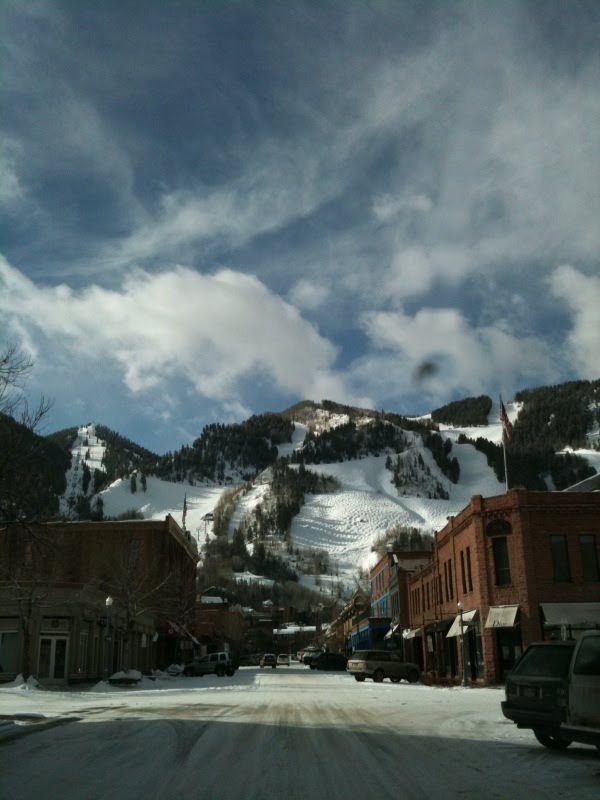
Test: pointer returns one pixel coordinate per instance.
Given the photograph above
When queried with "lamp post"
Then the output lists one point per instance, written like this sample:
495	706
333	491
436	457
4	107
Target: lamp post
465	678
108	603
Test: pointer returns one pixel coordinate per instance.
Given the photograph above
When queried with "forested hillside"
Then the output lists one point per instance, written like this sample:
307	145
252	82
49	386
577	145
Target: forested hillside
34	478
464	413
240	449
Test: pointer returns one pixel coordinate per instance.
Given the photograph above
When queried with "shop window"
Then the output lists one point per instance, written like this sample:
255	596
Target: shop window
589	558
560	558
501	561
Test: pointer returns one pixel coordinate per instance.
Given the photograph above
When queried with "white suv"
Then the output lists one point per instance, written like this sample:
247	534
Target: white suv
214	663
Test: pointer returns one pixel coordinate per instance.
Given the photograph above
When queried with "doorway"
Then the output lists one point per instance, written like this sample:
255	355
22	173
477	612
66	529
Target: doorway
52	663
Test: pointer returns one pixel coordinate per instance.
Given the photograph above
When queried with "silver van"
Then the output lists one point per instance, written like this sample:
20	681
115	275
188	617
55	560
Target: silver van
381	664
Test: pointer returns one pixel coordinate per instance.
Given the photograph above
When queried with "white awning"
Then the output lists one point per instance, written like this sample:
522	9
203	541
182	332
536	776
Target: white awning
502	617
393	629
410	633
577	614
468	617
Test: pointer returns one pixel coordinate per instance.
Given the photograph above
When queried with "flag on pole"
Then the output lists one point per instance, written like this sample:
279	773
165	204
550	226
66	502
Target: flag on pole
184	511
506	423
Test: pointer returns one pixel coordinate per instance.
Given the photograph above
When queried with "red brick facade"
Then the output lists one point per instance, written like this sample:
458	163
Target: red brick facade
524	549
54	582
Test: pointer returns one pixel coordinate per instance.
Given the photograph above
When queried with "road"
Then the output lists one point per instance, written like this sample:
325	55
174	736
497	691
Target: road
287	733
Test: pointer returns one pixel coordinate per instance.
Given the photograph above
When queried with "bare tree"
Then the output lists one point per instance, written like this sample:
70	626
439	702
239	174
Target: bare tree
29	563
22	456
29	549
138	587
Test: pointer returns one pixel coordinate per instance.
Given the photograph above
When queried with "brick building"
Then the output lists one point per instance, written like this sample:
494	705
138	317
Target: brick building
524	565
55	580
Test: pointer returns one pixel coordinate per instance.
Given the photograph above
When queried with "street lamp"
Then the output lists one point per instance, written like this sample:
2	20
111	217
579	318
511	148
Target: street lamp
465	679
108	602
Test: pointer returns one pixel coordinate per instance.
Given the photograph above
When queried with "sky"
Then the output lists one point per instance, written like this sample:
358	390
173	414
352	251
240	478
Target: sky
213	209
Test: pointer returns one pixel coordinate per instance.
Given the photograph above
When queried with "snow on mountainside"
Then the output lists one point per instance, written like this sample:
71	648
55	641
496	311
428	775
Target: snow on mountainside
346	522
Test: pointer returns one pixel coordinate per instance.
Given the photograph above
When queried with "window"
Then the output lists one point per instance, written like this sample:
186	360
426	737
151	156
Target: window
450	579
588	657
501	562
8	651
560	558
462	571
589	558
469	576
446	580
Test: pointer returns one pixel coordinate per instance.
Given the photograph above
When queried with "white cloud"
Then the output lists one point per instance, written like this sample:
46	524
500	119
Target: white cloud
387	207
215	331
308	294
468	359
581	293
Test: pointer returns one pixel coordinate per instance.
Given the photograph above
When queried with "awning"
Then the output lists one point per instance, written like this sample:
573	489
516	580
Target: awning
468	617
410	633
502	617
393	629
579	615
439	626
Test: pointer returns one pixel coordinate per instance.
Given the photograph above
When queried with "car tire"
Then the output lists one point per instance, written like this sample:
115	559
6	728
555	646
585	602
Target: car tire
413	676
273	666
220	671
378	676
229	671
359	678
313	666
551	741
395	680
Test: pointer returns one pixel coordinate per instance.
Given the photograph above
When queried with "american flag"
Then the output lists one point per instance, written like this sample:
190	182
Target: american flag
506	423
184	511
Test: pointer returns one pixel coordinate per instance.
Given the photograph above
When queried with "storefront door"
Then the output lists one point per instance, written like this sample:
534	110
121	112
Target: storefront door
53	658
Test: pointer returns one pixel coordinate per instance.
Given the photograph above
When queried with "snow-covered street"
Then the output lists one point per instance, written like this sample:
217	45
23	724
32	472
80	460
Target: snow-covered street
290	733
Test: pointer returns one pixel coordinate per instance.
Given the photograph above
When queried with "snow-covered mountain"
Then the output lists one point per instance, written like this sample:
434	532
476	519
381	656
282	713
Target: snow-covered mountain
346	522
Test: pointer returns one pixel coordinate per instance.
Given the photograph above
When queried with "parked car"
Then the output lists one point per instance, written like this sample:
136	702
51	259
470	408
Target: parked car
218	664
329	661
381	664
309	655
268	660
554	690
283	660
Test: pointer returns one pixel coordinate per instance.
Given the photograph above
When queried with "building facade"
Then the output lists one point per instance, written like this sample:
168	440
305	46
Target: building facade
81	600
523	565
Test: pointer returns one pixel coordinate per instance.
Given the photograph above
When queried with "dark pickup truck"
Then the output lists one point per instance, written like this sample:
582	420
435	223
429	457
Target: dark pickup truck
554	689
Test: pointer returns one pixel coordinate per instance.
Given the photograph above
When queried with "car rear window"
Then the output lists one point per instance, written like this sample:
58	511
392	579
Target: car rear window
588	658
545	661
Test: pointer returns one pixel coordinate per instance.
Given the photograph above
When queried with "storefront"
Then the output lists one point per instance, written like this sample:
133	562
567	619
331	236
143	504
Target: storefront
508	645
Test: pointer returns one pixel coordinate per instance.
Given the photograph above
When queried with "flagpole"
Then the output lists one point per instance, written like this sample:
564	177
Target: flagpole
505	462
506	431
